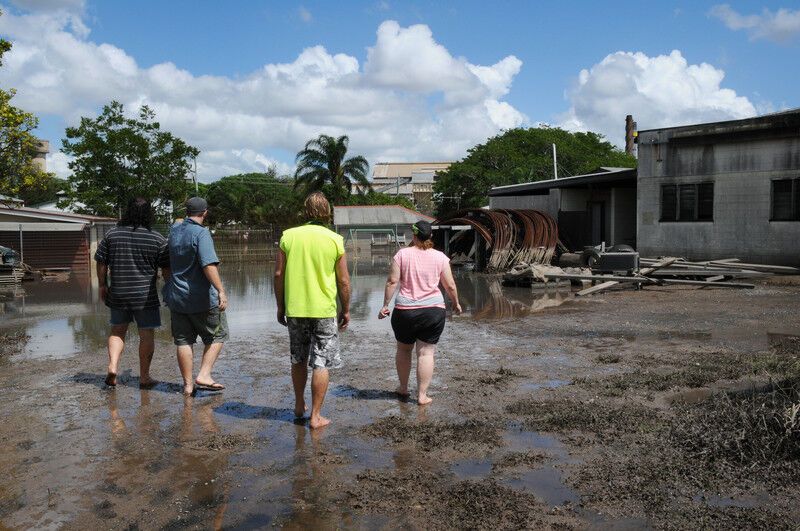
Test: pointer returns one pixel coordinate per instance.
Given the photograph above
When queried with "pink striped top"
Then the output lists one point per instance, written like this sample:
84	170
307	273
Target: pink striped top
420	271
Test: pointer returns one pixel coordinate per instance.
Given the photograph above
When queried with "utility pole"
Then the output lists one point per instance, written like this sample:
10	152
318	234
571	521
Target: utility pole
555	163
196	188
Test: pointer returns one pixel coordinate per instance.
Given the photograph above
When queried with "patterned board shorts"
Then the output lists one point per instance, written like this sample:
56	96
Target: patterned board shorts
314	341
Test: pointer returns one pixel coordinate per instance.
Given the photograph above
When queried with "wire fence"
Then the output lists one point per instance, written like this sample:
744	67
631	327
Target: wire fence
241	244
246	245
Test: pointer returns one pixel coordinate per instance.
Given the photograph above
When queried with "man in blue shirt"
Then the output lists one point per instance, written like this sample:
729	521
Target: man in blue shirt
195	296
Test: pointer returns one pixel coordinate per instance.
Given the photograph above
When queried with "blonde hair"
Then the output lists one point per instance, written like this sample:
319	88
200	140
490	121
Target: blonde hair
424	245
317	207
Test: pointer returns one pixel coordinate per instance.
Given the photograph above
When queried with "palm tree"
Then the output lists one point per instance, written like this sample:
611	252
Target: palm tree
323	161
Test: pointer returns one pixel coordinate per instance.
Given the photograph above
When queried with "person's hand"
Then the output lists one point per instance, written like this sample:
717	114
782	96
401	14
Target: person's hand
103	292
344	320
384	312
282	316
457	308
223	300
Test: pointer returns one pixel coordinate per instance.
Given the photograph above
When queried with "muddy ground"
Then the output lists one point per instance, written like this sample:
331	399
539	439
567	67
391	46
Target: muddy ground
661	408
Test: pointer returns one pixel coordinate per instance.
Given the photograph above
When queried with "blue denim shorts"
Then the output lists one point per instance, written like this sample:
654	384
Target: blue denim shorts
145	318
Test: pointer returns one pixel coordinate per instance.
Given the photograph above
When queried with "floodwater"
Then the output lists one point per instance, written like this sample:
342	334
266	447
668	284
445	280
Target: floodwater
79	455
64	319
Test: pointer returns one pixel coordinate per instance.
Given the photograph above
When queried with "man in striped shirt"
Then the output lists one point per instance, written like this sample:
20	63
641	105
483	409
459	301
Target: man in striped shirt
132	252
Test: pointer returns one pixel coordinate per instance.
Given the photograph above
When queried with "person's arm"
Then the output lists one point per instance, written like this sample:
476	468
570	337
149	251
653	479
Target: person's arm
280	275
102	278
211	271
343	285
391	286
449	284
163	261
209	261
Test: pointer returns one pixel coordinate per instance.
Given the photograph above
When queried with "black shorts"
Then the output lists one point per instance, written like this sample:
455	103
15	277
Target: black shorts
423	324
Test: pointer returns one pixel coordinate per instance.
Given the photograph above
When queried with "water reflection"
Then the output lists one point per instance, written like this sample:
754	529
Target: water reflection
66	318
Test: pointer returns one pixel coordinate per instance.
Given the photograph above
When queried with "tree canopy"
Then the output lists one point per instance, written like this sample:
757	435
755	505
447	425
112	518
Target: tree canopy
253	199
18	170
117	157
518	156
323	161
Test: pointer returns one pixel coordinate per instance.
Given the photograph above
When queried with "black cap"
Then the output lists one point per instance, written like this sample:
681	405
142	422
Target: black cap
422	229
196	205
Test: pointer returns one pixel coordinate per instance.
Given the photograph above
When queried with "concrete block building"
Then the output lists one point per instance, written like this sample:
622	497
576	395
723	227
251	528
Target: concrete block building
705	191
721	190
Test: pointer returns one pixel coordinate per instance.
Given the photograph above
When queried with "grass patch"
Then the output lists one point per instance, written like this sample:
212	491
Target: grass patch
731	444
608	358
601	418
13	342
699	371
527	459
434	435
760	430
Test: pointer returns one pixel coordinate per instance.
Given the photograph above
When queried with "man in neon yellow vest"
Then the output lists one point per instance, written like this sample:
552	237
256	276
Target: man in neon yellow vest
310	272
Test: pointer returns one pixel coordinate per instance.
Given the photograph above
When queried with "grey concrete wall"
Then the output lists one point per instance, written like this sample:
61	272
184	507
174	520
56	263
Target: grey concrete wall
742	171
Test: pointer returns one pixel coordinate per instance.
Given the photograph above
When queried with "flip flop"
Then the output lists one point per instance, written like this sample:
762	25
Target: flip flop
110	377
216	386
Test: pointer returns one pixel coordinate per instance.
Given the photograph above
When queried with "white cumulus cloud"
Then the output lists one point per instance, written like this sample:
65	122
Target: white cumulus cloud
410	100
779	26
658	91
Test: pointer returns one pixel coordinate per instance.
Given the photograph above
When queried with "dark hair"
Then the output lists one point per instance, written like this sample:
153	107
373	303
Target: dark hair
138	213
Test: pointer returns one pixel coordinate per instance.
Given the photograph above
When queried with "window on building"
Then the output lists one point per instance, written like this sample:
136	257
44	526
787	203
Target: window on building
687	202
669	202
786	200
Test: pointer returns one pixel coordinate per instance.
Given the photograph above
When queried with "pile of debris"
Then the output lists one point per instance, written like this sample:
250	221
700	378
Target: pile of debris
650	272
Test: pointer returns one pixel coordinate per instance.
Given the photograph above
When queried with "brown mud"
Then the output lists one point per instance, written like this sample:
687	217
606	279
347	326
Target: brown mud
571	417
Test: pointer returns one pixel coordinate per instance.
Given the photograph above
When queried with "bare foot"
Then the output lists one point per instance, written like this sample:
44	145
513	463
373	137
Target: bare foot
424	399
210	385
402	391
318	422
145	382
299	411
189	390
111	379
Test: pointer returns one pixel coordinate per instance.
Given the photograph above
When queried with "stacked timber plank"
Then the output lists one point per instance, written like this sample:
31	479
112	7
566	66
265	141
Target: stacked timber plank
658	272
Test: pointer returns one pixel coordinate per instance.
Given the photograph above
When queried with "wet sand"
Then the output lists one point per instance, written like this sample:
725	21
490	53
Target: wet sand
526	418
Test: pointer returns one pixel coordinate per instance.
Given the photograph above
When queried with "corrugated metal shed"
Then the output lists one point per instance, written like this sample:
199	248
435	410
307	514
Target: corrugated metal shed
47	239
378	216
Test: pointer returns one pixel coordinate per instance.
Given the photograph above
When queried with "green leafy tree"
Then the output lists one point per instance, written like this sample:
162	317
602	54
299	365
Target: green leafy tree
18	170
117	157
323	161
377	198
254	199
50	189
518	156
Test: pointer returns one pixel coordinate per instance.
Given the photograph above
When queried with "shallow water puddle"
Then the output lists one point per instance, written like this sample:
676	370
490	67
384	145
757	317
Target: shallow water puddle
544	480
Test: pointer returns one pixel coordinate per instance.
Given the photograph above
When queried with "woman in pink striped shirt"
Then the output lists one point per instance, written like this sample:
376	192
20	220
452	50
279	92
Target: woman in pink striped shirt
419	310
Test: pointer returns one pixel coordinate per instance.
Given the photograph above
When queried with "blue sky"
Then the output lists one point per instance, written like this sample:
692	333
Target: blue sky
248	82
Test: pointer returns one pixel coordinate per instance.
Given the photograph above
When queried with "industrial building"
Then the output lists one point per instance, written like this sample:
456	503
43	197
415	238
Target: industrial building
706	191
412	180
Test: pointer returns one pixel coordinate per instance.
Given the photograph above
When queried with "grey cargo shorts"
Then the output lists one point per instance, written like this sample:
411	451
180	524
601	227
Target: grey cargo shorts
314	341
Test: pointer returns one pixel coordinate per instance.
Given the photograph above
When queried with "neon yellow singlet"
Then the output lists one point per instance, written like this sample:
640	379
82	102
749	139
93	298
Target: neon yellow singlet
310	280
